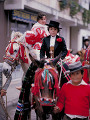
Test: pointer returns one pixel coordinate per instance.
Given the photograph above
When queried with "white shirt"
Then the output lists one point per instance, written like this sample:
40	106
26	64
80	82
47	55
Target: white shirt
81	83
77	116
52	41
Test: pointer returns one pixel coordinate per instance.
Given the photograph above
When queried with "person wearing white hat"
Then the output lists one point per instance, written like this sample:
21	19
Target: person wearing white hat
74	95
86	42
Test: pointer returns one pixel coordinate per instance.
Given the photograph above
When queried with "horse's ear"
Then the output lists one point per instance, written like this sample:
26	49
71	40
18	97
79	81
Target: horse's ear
12	34
36	62
56	59
42	63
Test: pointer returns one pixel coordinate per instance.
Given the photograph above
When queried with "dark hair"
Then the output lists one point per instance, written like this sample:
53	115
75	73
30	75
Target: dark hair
56	28
40	16
82	71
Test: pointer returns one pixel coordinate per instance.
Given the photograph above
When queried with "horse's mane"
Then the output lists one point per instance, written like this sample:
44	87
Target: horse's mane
16	34
38	83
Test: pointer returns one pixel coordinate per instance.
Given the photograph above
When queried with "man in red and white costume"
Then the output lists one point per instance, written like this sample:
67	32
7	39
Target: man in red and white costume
74	95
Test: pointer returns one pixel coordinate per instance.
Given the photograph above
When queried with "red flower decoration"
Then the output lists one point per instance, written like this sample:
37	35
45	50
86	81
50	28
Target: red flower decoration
59	39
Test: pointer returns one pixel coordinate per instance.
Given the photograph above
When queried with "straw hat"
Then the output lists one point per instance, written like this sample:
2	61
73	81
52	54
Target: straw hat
76	66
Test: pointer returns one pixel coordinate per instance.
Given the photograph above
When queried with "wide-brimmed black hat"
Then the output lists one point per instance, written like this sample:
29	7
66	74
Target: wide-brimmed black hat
76	66
53	24
86	39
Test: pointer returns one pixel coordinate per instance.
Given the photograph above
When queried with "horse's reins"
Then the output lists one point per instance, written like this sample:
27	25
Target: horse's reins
60	73
4	108
8	76
1	100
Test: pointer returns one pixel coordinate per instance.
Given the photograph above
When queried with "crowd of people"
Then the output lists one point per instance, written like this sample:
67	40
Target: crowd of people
74	95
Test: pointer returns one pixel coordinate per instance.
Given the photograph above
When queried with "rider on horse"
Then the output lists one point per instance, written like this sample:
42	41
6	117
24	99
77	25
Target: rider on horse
58	45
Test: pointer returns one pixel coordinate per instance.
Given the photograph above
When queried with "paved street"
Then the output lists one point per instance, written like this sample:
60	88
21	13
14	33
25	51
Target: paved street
12	109
13	95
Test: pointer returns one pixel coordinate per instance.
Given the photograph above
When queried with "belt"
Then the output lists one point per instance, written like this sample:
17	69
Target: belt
68	118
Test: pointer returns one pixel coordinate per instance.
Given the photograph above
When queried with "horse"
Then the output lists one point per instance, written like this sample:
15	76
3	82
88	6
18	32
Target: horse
81	53
46	88
17	53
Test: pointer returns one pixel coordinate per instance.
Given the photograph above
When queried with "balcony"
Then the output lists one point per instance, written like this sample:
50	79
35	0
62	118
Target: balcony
13	4
66	10
75	10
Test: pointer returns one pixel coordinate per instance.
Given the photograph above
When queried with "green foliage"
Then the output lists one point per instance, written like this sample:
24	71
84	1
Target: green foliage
75	8
63	4
86	16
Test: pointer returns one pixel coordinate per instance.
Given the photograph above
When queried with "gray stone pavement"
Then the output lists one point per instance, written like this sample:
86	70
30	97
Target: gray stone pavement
12	99
11	111
13	95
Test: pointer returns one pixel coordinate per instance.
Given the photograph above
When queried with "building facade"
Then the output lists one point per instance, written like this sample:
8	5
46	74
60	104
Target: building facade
20	15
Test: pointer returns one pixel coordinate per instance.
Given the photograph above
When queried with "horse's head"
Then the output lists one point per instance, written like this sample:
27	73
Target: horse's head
15	51
81	53
46	85
11	57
